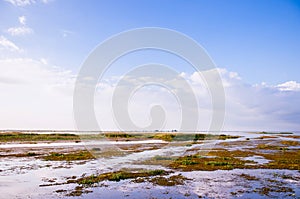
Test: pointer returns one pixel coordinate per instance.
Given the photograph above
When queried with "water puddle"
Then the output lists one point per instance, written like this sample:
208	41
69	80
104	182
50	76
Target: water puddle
257	159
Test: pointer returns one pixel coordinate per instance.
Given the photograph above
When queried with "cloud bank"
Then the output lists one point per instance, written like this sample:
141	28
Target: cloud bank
36	95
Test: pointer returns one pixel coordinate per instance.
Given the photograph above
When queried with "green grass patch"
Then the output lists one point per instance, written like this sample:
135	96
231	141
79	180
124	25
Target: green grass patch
215	160
190	137
168	181
223	159
282	133
215	163
78	155
283	160
166	137
19	137
118	135
117	176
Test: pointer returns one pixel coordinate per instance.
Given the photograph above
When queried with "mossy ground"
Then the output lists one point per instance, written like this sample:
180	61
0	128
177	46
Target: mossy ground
78	155
214	160
156	177
278	153
169	181
117	176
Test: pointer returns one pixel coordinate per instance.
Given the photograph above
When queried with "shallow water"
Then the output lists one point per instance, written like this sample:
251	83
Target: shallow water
89	143
22	177
257	159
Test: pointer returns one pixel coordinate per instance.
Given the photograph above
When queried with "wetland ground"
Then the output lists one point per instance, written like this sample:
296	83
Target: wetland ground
149	165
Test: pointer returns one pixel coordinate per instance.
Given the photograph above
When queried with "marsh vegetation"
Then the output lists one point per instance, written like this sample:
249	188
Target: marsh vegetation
169	161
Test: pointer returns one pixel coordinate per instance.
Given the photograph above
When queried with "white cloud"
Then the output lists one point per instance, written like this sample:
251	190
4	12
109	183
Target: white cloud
8	45
44	61
16	31
22	20
23	3
289	86
20	30
248	107
260	107
36	95
46	1
66	33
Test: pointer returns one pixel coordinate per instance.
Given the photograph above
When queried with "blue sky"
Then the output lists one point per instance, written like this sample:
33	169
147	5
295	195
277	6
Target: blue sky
255	42
257	39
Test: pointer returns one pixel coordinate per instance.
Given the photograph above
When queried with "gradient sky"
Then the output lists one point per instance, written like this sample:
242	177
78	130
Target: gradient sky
256	41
